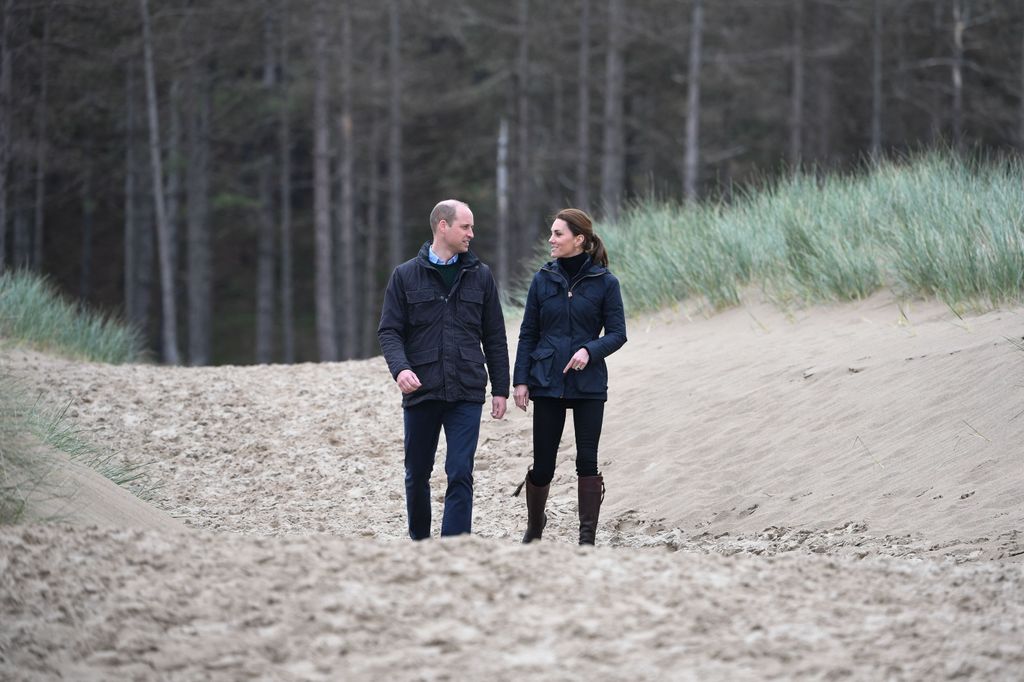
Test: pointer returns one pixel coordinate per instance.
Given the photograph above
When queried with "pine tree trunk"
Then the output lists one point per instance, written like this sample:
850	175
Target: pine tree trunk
524	206
346	213
265	242
1020	111
960	9
796	106
501	192
173	156
692	153
285	199
325	334
396	241
583	122
88	223
372	232
131	226
876	80
5	121
613	157
822	25
169	327
199	276
41	142
138	215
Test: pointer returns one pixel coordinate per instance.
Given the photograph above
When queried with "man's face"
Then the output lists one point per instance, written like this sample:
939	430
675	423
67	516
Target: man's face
459	234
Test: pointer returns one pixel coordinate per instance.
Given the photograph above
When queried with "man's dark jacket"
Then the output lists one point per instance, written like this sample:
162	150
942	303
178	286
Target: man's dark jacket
437	333
562	316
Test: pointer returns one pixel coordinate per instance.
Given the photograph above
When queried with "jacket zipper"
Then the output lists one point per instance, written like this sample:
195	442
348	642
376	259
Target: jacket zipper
569	288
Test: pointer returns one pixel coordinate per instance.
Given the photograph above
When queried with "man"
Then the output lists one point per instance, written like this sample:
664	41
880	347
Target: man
439	308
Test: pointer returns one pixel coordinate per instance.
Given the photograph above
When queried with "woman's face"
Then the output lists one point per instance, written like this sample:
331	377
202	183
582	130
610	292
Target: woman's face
564	244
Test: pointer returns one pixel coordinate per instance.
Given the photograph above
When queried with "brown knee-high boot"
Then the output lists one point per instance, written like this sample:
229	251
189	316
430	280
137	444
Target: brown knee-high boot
591	494
536	498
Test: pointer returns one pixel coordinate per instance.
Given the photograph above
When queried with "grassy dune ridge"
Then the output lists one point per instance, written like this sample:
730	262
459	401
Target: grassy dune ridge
34	315
931	226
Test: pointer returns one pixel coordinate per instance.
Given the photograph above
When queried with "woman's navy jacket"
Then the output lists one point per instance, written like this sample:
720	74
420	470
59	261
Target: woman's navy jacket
437	333
560	318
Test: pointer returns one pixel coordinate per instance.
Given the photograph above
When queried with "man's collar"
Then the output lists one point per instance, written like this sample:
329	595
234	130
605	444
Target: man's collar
436	260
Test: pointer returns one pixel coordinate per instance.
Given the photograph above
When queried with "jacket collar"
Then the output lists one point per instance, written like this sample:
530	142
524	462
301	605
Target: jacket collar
466	260
588	268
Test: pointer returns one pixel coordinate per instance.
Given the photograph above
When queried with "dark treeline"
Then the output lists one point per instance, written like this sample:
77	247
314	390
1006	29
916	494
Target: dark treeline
239	178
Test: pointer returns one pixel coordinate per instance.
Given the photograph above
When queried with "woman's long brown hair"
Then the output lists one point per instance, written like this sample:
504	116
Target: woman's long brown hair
581	224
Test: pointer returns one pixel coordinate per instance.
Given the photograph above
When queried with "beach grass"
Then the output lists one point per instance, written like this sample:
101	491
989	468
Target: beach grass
931	226
26	423
34	314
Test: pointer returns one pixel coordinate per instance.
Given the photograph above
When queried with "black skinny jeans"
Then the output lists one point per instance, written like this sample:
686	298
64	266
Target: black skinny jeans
548	423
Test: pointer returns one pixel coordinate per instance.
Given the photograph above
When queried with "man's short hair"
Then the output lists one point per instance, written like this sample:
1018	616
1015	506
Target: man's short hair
445	210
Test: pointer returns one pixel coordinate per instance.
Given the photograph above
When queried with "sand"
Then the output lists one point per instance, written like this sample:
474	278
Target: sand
826	493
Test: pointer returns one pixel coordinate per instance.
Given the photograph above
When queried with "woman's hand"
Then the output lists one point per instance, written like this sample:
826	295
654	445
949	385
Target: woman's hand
578	361
522	396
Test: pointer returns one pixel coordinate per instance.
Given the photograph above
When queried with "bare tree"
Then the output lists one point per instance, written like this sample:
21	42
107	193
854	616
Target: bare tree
174	167
346	211
199	275
583	120
524	210
1020	111
876	79
326	342
501	192
961	9
396	232
169	325
265	252
285	200
371	224
88	223
130	221
796	110
613	151
41	142
692	152
5	121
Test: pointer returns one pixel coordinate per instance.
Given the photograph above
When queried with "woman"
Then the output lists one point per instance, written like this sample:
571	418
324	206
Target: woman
560	363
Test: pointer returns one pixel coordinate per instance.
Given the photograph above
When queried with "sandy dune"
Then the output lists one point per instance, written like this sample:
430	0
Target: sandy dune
837	492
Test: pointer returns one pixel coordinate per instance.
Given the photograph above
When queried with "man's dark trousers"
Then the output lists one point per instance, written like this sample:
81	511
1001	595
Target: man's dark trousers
423	423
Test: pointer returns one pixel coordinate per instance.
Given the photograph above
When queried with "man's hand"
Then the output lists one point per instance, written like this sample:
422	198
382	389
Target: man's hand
578	361
521	394
499	404
408	381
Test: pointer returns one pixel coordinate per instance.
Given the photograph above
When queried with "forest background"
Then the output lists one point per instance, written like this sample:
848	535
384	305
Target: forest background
238	179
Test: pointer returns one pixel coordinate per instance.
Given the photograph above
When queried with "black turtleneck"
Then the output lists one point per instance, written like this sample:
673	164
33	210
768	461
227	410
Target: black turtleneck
572	265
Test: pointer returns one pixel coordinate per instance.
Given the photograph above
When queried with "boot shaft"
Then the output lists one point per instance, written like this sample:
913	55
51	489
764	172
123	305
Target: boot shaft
591	494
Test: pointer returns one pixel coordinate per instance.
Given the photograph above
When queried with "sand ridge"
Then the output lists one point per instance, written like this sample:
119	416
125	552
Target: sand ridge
829	492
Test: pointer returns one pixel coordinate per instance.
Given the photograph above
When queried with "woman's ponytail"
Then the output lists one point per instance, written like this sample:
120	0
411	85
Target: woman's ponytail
581	223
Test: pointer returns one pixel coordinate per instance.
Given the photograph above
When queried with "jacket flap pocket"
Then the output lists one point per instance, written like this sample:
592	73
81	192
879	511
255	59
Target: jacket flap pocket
422	357
472	353
541	353
472	295
420	295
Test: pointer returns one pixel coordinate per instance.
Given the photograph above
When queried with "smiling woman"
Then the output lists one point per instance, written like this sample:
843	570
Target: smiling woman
560	363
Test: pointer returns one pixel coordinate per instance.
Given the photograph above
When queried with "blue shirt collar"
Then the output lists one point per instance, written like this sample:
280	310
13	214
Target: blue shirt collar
436	260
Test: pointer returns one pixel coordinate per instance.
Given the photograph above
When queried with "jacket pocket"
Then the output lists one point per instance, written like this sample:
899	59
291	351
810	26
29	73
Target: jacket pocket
593	379
472	373
424	306
471	308
540	366
426	365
